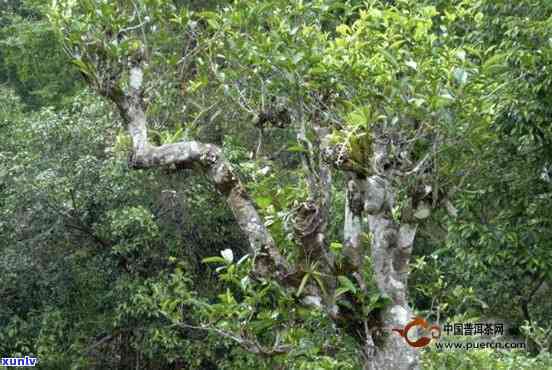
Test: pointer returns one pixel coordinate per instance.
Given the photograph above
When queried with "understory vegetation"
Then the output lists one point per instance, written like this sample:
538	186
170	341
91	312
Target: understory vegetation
275	184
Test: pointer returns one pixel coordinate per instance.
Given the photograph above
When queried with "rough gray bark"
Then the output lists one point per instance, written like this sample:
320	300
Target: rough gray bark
373	198
207	158
353	227
391	249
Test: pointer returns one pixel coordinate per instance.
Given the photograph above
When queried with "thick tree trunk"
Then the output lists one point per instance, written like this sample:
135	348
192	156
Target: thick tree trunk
391	246
392	243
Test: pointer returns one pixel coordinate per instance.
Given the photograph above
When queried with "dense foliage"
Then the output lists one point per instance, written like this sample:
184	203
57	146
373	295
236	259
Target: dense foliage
106	266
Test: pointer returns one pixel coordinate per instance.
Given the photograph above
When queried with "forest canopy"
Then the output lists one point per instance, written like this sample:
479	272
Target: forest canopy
276	184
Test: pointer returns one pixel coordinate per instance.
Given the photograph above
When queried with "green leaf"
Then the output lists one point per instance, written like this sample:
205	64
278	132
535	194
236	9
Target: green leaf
263	202
213	23
215	259
336	247
390	58
297	148
302	285
319	282
346	283
497	60
297	58
340	291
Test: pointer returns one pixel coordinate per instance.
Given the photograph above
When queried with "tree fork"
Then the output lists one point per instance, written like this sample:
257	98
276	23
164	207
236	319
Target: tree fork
208	158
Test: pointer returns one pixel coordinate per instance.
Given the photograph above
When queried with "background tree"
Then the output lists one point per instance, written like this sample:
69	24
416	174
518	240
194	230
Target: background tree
338	134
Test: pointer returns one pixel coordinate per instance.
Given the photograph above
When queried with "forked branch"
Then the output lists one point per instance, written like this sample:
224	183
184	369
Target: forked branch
206	157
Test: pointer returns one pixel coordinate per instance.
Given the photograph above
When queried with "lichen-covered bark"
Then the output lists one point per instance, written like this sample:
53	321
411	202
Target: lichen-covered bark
207	158
391	248
389	260
353	225
369	203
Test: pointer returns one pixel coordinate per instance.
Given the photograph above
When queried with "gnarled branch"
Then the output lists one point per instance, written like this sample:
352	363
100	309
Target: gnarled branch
206	157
